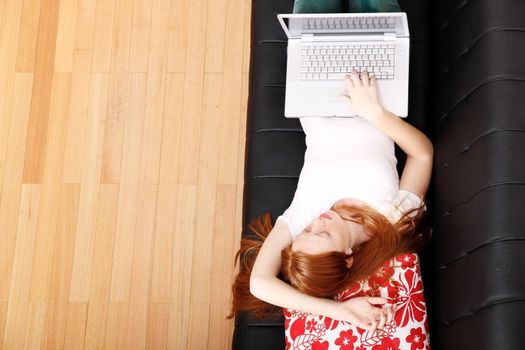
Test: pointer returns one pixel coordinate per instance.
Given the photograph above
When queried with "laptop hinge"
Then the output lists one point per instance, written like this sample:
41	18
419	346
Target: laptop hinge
307	37
390	36
311	37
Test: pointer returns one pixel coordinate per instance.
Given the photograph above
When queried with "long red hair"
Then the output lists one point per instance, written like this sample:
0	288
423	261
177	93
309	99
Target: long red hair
324	275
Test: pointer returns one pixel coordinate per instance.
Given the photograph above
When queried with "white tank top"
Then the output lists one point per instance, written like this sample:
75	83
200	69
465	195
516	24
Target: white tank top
346	158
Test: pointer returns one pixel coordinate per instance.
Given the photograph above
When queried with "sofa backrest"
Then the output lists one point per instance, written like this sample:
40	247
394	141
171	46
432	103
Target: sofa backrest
479	176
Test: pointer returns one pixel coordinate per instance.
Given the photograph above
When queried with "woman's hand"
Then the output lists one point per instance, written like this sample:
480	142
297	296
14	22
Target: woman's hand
362	94
365	313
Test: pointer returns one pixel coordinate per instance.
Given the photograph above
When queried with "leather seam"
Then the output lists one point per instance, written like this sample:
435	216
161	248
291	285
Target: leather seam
474	43
254	177
277	130
445	115
452	15
472	251
446	163
472	313
477	192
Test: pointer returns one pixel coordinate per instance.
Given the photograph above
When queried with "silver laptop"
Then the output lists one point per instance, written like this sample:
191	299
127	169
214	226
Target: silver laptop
322	48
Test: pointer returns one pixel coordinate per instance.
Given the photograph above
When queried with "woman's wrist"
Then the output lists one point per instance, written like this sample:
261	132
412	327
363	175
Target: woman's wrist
333	309
378	114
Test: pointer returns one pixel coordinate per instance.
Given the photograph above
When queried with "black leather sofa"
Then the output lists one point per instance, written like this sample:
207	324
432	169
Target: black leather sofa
467	89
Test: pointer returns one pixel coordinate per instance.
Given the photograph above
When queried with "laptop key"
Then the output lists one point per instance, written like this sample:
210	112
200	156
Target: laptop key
336	76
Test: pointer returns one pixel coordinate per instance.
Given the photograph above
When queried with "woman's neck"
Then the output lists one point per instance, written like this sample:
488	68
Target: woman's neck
357	234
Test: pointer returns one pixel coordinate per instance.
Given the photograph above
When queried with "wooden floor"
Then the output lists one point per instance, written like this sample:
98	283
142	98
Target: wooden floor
122	129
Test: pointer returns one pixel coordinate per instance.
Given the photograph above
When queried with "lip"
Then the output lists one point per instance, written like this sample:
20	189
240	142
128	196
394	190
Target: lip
326	216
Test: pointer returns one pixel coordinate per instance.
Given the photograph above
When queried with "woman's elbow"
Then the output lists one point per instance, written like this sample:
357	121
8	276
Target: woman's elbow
426	152
260	287
429	152
430	149
255	286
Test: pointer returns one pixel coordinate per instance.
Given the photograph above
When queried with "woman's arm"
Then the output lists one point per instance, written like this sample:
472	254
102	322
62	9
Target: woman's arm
362	95
418	148
265	285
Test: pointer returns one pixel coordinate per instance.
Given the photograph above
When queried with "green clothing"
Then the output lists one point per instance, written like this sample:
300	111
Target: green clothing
338	6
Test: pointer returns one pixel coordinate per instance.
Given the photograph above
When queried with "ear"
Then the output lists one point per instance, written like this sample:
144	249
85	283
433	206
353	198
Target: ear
350	259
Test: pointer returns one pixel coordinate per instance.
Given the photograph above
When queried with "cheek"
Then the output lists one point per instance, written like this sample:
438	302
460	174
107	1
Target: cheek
336	235
300	242
342	231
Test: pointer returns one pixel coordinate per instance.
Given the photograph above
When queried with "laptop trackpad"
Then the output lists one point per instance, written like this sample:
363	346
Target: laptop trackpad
333	95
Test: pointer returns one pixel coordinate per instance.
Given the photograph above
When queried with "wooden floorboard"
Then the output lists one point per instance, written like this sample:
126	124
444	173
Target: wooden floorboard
122	130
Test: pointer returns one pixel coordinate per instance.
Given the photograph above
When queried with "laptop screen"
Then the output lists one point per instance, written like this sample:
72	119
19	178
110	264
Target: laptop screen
298	24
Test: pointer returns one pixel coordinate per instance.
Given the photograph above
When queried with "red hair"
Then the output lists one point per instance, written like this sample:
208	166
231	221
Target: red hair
324	275
243	299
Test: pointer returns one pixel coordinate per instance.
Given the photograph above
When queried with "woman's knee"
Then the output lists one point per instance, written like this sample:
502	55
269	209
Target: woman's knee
373	6
317	6
341	6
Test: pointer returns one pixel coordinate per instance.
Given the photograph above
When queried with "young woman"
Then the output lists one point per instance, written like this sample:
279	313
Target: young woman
349	215
348	196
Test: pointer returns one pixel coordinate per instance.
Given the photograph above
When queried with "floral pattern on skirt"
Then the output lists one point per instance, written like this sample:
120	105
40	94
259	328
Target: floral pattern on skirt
398	280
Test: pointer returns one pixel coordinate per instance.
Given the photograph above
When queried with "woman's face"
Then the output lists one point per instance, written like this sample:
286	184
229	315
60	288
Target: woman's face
329	232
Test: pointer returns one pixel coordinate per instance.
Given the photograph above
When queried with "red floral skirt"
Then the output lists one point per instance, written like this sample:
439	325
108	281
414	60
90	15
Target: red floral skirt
398	280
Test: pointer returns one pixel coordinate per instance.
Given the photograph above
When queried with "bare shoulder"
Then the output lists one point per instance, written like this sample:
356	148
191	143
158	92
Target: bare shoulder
268	260
280	236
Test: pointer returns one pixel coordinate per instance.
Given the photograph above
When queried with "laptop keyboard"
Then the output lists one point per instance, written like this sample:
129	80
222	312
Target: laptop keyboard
349	23
332	62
